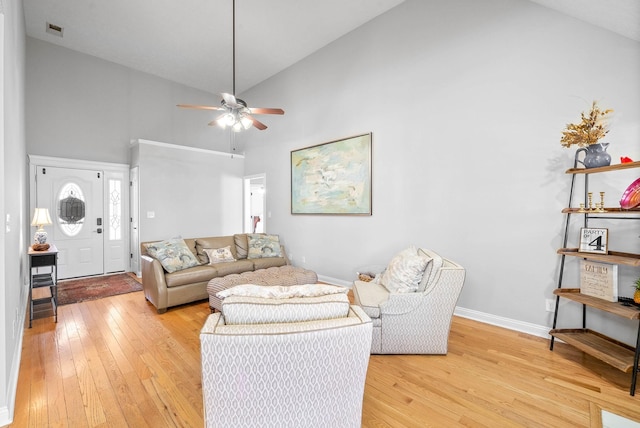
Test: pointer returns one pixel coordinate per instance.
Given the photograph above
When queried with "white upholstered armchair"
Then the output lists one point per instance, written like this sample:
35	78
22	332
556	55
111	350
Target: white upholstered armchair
407	321
285	374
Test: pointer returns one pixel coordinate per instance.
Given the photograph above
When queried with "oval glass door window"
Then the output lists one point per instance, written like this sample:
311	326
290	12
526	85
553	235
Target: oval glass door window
71	209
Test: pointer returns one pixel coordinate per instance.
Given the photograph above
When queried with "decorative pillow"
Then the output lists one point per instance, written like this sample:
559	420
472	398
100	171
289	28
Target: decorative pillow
431	270
263	246
219	255
173	254
405	271
281	291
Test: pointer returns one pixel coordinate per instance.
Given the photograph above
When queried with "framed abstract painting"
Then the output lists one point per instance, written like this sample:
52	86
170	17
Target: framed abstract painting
333	177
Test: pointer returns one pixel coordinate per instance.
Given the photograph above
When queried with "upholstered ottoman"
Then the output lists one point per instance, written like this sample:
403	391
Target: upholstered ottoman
282	275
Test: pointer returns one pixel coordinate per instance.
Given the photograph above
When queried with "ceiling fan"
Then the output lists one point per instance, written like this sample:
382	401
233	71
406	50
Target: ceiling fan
236	114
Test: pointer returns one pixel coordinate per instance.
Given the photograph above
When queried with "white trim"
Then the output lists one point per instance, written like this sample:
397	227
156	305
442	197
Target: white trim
335	281
37	160
6	414
508	323
140	141
109	170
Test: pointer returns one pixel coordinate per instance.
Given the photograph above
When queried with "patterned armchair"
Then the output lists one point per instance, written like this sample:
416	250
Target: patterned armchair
285	374
413	321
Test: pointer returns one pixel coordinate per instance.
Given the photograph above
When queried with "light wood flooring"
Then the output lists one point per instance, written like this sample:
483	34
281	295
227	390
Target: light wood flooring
115	362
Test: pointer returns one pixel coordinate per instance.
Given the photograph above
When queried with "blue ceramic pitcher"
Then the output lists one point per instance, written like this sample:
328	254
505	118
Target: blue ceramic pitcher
595	155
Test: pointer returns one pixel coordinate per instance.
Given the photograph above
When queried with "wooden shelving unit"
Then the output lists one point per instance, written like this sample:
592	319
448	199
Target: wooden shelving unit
615	257
617	167
611	351
607	211
616	308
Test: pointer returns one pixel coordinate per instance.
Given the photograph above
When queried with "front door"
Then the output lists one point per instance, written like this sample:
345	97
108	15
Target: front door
74	198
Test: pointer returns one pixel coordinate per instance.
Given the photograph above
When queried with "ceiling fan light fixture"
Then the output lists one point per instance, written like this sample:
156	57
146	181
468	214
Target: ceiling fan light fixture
229	119
246	122
235	112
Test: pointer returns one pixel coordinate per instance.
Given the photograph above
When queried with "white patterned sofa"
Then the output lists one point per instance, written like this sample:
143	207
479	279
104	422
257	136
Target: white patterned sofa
411	304
302	363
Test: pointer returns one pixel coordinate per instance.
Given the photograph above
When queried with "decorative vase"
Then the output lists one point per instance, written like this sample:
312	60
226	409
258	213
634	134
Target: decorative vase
595	155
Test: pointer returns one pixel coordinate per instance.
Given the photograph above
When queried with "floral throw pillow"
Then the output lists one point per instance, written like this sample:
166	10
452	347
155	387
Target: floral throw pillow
405	271
219	255
173	254
261	246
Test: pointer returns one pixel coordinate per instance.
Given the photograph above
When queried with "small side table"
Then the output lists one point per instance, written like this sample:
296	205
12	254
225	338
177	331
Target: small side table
43	287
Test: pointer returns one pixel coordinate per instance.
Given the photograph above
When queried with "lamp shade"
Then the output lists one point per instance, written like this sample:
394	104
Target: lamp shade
41	217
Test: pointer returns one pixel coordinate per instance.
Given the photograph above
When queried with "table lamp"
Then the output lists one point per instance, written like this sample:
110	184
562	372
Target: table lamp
41	218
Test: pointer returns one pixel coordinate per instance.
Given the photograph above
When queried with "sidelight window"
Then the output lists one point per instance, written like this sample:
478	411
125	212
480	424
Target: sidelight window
115	210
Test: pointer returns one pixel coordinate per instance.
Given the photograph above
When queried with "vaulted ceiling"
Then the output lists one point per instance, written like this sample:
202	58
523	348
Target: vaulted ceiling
190	41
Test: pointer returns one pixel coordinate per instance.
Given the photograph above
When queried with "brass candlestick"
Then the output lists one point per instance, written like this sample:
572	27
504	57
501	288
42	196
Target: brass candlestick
602	210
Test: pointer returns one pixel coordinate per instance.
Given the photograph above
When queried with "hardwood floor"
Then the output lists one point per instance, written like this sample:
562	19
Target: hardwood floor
115	362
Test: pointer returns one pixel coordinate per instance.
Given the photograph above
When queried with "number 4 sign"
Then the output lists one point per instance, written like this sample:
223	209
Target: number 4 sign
593	240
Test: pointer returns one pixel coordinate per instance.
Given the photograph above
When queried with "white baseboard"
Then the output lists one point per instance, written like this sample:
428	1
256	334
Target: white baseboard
6	412
334	281
508	323
4	416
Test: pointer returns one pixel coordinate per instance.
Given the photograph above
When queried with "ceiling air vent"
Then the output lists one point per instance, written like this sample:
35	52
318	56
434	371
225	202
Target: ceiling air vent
54	29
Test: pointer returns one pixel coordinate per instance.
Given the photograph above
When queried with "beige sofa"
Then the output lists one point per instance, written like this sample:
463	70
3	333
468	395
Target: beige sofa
164	289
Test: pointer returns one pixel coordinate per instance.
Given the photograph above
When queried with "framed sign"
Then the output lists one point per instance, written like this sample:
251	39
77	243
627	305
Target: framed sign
593	240
332	178
599	280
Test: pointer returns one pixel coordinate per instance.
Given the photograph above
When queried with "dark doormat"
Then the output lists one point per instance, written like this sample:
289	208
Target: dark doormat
80	290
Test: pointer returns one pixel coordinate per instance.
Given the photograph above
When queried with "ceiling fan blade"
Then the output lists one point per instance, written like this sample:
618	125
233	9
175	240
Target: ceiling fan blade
258	110
230	100
261	126
200	107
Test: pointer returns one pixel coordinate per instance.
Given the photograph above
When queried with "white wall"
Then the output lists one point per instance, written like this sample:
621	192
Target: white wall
466	101
82	107
191	192
13	201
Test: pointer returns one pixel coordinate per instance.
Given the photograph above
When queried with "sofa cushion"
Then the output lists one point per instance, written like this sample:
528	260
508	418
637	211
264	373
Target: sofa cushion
259	310
255	304
219	255
242	245
268	262
173	254
214	242
238	266
203	273
282	291
369	296
405	271
261	246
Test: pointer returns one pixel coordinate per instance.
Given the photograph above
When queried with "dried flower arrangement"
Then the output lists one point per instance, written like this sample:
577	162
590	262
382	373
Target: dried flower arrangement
589	131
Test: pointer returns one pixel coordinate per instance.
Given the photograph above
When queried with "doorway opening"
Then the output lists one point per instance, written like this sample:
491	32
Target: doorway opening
255	203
